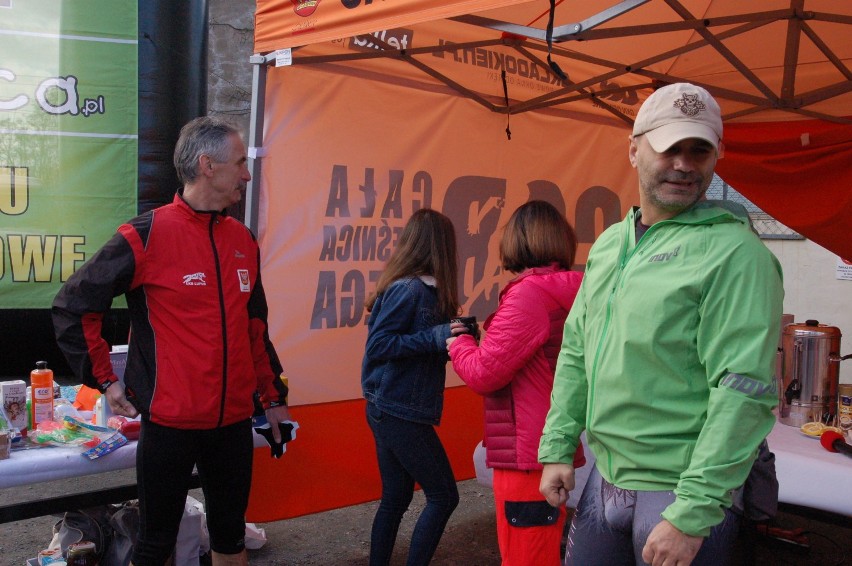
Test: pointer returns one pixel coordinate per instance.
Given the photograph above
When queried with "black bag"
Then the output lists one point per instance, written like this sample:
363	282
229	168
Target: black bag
112	528
124	523
90	525
758	497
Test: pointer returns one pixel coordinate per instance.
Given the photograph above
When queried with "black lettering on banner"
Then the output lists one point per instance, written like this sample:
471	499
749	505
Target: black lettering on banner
533	74
541	189
481	58
325	301
421	184
353	292
347	311
369	190
344	247
629	97
356	243
385	244
366	236
497	62
511	64
329	242
484	196
393	203
592	201
338	205
475	204
338	193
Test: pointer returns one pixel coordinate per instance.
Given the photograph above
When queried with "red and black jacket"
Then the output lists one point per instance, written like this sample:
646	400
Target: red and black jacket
199	348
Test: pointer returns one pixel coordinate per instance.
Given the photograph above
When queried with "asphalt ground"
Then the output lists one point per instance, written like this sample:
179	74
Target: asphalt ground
341	537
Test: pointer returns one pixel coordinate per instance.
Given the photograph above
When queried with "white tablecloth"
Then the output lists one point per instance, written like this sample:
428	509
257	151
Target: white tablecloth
39	464
808	474
34	465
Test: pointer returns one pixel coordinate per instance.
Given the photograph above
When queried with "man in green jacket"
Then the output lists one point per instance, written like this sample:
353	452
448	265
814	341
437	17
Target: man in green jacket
667	358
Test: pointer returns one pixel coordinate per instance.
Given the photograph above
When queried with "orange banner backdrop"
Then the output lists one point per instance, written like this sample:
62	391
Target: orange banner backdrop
338	184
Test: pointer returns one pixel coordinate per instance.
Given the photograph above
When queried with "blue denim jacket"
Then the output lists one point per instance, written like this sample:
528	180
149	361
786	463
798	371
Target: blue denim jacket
405	361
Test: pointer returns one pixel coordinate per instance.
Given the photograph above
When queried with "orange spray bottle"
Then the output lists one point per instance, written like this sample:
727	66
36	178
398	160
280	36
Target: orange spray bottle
41	390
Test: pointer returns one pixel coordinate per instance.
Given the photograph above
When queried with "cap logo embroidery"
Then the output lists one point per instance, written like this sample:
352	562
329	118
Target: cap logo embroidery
689	104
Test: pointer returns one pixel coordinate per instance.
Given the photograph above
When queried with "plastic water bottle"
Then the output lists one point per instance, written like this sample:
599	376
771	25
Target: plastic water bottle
41	388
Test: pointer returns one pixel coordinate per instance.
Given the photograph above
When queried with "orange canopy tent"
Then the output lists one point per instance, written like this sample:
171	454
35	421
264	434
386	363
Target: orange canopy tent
365	110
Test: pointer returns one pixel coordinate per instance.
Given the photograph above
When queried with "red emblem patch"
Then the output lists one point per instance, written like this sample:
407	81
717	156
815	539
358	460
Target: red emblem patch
305	8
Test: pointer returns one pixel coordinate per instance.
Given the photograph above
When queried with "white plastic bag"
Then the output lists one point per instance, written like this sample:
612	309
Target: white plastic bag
193	539
255	536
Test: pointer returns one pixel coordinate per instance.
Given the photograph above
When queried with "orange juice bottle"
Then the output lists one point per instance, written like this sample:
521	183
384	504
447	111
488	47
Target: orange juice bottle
41	388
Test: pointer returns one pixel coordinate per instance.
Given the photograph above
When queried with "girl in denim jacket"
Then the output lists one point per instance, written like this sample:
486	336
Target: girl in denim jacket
402	378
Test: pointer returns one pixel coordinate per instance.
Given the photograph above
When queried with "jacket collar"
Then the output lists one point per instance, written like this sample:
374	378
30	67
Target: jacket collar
544	270
202	215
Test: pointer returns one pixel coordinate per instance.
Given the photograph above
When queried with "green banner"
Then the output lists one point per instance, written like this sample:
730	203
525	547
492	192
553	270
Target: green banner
68	138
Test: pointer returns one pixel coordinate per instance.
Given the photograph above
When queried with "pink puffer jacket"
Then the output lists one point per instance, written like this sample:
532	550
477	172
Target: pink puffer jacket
513	366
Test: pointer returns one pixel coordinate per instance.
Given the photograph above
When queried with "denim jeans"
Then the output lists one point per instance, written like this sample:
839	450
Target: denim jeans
410	452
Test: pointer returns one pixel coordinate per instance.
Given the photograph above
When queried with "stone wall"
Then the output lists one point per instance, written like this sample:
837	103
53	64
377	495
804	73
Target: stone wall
231	43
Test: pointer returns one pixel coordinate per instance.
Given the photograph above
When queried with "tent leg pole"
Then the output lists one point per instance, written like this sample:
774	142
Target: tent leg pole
255	141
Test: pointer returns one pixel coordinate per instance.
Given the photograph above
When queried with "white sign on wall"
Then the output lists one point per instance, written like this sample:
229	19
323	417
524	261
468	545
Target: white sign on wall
844	269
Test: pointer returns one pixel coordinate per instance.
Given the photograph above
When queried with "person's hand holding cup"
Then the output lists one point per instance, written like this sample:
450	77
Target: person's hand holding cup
465	325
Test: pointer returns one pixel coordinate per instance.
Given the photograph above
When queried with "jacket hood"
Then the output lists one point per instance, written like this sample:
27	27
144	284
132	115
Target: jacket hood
715	212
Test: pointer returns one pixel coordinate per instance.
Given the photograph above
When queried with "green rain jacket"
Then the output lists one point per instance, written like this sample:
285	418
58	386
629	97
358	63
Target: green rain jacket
667	360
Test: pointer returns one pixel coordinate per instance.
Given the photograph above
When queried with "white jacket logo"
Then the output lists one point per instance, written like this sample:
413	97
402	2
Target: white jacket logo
195	279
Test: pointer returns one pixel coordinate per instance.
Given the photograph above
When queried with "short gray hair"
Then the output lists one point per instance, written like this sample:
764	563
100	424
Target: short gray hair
205	135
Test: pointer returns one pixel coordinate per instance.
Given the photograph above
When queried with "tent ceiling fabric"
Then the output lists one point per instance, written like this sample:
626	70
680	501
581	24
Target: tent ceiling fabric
765	61
780	70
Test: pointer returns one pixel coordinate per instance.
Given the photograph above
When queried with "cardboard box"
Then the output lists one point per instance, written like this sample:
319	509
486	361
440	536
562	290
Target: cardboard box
118	358
5	444
13	399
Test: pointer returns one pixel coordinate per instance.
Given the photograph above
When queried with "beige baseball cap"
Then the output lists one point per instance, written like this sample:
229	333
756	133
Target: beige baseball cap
677	112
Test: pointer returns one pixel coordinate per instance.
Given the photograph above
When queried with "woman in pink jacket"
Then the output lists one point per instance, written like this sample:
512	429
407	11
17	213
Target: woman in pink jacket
513	370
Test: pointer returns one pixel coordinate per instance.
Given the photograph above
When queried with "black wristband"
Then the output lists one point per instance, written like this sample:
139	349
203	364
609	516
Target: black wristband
105	385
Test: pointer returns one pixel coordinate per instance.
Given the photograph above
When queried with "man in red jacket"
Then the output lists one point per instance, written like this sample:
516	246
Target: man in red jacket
199	354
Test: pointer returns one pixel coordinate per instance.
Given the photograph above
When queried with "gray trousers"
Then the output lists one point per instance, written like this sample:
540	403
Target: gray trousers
611	526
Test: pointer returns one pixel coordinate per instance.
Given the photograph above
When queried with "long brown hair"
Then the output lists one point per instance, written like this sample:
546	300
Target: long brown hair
427	246
537	235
